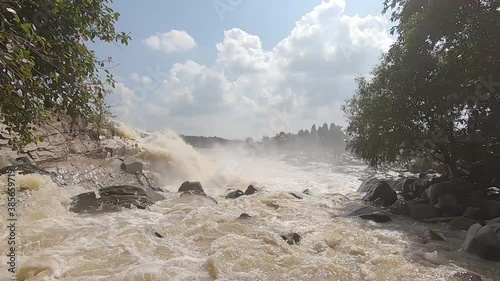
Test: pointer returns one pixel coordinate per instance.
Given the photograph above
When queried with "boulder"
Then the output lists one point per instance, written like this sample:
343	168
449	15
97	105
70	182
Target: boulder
492	208
235	194
456	187
371	213
449	205
251	190
475	213
398	187
484	241
432	235
392	183
419	211
132	166
115	148
367	185
461	223
400	207
291	238
382	190
114	198
193	187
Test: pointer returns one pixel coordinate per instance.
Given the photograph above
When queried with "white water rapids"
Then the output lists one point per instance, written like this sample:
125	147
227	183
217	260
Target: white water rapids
206	241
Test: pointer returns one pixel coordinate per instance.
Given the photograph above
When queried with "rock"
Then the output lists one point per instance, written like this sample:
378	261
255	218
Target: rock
158	235
382	190
291	238
449	205
423	211
492	208
244	216
22	160
115	149
392	183
367	185
461	223
295	195
400	207
371	213
132	166
474	213
456	187
484	241
432	235
251	190
378	202
193	187
306	192
235	194
24	169
114	198
399	186
465	276
149	182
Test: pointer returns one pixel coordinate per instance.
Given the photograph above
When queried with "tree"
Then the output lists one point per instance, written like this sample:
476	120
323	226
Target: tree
45	65
313	130
428	95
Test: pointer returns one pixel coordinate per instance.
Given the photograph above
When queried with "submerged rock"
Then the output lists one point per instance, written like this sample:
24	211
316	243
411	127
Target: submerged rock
244	216
295	195
251	190
292	238
465	276
114	198
371	213
235	194
193	187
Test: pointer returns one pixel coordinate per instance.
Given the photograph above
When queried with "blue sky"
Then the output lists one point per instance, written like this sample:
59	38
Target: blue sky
213	52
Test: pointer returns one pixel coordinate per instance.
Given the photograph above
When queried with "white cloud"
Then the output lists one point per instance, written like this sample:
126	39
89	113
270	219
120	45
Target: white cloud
171	42
307	76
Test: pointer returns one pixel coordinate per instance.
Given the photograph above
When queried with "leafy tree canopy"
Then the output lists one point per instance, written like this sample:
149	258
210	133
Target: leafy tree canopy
45	65
435	93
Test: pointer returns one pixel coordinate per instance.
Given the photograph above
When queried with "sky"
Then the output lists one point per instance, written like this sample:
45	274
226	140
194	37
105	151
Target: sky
241	68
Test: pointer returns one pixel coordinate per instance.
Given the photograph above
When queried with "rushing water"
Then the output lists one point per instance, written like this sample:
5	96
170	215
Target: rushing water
207	241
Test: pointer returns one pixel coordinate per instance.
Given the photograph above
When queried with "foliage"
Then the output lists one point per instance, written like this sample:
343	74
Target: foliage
45	65
435	93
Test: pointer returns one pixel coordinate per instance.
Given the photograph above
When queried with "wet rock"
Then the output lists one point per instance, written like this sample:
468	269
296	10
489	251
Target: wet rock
457	188
306	192
295	195
193	187
400	207
251	190
114	198
492	208
24	169
392	183
474	213
244	216
235	194
382	190
158	235
461	223
378	202
423	211
371	213
484	241
291	238
367	185
132	166
449	205
398	187
465	276
149	181
432	235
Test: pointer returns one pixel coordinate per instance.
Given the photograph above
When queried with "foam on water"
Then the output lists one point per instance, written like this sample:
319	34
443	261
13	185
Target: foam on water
206	241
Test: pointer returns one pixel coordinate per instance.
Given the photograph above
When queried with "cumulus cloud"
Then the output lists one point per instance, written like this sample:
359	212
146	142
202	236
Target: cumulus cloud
306	77
171	42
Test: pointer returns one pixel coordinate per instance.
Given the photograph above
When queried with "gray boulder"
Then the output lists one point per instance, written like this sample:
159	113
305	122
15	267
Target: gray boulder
461	223
114	198
235	194
251	190
193	187
492	208
371	213
484	241
367	185
400	207
382	190
132	166
419	211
